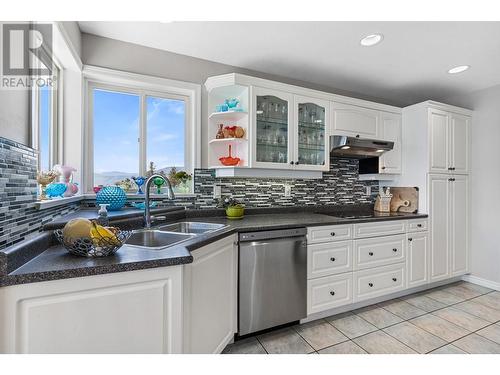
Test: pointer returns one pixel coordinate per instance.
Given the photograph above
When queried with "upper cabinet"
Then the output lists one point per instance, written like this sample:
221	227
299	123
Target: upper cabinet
283	131
390	126
272	133
312	117
355	121
448	142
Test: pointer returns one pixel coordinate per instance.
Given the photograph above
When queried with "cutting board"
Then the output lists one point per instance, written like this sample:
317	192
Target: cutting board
404	199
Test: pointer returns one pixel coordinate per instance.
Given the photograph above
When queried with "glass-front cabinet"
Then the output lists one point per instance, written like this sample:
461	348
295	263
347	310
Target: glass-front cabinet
311	137
273	133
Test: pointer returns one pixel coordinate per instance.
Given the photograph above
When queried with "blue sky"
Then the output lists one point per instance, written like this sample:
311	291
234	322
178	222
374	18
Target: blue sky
45	94
116	130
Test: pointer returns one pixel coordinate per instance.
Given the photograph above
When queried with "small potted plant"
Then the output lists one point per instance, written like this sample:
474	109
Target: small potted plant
234	209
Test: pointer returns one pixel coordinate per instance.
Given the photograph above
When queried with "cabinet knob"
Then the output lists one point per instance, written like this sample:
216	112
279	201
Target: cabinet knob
296	163
410	239
370	285
452	168
357	135
395	250
419	225
332	259
451	179
291	162
370	253
383	167
332	293
394	279
332	234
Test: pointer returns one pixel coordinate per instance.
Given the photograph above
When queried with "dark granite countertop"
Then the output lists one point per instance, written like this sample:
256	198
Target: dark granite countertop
54	262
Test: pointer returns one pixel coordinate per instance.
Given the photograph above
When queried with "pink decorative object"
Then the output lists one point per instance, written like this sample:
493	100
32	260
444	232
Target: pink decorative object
229	160
97	189
66	176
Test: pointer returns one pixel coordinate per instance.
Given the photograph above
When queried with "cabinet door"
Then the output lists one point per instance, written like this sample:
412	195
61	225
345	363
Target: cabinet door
417	264
458	218
272	136
354	121
210	295
439	141
459	143
390	162
311	137
439	203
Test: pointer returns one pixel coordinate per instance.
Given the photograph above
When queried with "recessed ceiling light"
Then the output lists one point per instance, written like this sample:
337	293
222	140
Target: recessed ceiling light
345	147
371	40
380	150
458	69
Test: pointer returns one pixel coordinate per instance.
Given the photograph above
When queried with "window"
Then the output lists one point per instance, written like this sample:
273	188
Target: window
44	123
136	123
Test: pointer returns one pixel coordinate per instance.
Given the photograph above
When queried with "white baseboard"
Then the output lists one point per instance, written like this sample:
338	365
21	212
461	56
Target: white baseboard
480	281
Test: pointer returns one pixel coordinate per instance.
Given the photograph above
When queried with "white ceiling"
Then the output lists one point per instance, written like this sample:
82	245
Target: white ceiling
409	66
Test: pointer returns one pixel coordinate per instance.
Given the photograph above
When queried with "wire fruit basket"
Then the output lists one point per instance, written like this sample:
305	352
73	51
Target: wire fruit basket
95	247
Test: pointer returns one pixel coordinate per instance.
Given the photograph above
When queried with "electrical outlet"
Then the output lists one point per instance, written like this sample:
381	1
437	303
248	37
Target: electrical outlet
288	191
217	191
368	190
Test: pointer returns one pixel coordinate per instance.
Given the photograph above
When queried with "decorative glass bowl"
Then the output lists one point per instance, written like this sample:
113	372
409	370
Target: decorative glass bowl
55	189
113	195
93	248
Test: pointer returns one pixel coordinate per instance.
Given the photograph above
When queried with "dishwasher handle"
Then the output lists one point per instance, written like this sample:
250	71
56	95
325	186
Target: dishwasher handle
272	234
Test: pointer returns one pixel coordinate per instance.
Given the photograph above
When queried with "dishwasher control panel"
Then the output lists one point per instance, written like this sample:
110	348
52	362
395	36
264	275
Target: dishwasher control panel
271	234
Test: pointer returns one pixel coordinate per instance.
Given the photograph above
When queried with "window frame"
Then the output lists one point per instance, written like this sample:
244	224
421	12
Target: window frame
56	115
143	86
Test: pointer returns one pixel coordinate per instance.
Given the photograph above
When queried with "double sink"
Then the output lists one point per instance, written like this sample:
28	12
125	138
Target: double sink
161	237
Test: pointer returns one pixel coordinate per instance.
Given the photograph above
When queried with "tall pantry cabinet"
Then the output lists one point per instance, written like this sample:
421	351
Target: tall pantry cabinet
436	140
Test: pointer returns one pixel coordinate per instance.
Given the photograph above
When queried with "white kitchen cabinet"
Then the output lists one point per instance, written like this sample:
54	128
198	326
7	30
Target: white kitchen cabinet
378	281
458	224
210	297
439	141
391	161
439	210
328	233
377	229
311	127
328	292
127	312
355	121
379	251
329	258
459	143
417	261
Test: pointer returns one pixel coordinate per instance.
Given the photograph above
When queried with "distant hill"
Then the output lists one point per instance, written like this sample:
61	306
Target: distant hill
110	178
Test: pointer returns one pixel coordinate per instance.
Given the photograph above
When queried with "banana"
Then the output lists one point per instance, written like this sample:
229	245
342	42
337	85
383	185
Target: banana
98	231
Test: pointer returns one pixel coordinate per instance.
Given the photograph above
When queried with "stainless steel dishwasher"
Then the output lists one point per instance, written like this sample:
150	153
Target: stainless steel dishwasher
272	279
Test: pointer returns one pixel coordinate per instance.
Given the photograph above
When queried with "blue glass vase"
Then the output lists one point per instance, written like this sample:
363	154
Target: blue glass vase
139	181
113	195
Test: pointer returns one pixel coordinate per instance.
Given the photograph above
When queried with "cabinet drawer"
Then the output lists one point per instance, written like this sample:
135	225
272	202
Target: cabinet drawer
417	225
325	259
379	251
328	292
379	229
378	281
329	233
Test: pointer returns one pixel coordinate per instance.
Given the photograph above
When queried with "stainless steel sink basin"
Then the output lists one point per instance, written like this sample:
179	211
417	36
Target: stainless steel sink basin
191	227
153	239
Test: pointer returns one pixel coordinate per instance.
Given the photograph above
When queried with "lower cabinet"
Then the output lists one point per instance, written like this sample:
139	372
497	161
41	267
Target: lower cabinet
127	312
210	297
378	281
417	262
329	292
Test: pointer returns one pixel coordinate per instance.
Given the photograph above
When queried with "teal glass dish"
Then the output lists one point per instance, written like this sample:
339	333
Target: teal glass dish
55	189
113	195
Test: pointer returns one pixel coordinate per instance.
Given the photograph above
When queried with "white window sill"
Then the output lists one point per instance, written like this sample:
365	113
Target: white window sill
43	205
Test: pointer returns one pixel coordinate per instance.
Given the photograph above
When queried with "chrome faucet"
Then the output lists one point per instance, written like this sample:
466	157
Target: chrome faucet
170	195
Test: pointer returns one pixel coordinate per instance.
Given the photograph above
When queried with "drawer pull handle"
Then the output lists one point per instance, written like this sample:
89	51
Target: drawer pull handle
332	259
394	279
419	225
370	253
332	234
370	285
410	239
395	250
332	293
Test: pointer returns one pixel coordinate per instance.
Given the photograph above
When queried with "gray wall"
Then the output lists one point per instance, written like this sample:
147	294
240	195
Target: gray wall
74	34
484	181
114	54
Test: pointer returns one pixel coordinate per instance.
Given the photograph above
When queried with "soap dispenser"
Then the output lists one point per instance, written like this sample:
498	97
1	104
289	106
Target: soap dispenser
102	218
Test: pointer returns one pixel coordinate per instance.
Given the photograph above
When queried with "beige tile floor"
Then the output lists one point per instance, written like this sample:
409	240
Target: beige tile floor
459	318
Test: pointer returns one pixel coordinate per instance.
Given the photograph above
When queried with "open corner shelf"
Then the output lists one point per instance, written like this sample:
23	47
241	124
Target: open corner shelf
228	116
226	140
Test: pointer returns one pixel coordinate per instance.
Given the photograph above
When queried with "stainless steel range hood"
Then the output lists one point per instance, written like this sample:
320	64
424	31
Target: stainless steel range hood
358	148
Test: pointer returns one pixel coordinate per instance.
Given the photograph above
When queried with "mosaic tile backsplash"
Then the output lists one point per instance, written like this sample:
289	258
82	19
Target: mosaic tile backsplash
19	218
